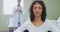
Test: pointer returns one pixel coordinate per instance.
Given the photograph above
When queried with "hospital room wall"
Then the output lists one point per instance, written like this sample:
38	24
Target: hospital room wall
3	18
53	11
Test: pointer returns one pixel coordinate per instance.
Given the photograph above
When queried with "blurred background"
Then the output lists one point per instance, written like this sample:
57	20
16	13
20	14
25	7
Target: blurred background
53	11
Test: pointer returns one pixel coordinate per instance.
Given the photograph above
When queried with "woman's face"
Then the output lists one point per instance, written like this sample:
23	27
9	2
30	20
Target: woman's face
19	1
37	9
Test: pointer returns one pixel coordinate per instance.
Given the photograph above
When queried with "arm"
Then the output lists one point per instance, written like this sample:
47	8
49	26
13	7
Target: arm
19	10
22	10
53	28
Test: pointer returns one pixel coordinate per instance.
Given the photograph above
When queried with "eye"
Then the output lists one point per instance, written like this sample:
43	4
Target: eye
35	7
39	7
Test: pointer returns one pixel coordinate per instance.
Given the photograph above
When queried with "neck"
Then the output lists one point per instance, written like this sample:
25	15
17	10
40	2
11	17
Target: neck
37	19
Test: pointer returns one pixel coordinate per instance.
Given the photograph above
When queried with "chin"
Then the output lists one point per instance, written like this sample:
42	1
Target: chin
37	15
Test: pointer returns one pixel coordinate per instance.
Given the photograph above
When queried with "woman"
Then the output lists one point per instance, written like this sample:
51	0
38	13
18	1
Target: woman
37	22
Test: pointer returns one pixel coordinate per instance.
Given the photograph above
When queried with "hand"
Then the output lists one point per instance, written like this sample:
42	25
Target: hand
20	11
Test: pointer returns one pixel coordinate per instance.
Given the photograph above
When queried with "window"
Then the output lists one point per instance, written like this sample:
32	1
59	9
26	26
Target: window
8	6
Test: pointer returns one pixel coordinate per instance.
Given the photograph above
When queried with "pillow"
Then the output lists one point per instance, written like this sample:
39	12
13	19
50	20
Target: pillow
58	20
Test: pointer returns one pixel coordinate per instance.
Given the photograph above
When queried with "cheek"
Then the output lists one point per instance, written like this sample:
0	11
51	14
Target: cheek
40	11
34	11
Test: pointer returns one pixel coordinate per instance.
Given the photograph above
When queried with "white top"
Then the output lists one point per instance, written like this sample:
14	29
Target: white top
47	26
15	16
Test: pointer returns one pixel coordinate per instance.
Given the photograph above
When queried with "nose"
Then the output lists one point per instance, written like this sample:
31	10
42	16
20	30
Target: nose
37	9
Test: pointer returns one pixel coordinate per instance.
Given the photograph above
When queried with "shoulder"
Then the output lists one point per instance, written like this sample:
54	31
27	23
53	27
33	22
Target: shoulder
23	26
49	22
26	23
52	26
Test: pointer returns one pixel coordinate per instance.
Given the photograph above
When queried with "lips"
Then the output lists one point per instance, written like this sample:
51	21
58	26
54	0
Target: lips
37	13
